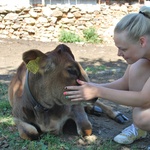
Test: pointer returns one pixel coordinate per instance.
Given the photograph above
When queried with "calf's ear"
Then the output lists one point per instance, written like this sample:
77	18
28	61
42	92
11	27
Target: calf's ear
61	48
32	59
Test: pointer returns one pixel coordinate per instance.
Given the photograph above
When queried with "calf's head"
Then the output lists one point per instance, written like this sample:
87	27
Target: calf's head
49	73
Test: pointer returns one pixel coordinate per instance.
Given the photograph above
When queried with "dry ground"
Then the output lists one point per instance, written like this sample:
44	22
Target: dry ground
89	56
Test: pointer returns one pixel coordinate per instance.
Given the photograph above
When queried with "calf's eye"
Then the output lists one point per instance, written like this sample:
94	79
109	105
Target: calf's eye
72	71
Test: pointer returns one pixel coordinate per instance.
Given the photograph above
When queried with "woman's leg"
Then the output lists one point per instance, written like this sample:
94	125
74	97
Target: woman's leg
137	130
141	118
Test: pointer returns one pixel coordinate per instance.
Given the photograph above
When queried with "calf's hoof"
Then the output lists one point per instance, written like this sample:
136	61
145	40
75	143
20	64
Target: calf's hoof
87	132
27	131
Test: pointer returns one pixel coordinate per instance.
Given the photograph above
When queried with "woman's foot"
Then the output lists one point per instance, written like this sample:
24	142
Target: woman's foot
129	135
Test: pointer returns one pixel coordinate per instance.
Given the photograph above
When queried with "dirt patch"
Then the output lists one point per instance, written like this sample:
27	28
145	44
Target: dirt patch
90	56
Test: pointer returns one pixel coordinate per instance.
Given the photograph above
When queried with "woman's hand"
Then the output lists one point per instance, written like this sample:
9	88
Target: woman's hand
86	91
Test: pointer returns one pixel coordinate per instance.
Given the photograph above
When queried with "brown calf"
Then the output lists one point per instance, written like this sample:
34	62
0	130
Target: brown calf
36	94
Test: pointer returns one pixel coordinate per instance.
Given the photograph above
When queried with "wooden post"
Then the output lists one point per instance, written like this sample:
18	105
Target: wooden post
43	2
99	1
107	2
142	1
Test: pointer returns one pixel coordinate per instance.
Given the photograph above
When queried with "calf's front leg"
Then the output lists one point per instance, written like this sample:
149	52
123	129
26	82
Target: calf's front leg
26	130
84	127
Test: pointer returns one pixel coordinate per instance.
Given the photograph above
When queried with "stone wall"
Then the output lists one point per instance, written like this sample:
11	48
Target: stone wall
45	23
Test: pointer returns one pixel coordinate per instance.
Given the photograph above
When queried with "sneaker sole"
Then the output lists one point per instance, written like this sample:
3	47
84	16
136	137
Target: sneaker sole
130	142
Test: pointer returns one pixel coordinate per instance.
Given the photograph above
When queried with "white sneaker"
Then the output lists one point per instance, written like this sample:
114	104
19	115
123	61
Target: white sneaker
129	135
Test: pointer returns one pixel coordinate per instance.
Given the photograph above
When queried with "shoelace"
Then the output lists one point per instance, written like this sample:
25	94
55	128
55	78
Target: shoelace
130	130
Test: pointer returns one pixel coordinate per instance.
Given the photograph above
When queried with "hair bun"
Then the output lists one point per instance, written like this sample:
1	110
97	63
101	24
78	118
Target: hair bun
145	11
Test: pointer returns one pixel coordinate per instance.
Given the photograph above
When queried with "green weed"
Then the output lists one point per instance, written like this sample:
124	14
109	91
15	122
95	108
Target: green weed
3	91
95	69
91	35
10	139
69	37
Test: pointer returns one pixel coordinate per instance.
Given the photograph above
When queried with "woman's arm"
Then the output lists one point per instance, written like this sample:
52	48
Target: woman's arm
117	91
89	91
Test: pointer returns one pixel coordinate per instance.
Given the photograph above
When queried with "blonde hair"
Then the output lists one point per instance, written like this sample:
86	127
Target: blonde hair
135	24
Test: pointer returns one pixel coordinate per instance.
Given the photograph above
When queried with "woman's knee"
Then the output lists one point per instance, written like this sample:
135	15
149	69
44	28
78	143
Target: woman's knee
141	118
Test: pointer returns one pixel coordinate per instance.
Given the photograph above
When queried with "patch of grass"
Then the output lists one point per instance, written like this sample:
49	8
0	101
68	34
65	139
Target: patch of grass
10	140
109	145
5	117
3	91
69	37
91	35
95	69
48	142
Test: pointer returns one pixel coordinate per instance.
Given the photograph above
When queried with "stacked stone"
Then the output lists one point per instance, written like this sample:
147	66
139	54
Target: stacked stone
45	23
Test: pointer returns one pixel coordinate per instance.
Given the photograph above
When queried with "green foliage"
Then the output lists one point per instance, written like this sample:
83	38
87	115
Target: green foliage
95	69
3	91
91	35
48	142
69	37
109	145
10	140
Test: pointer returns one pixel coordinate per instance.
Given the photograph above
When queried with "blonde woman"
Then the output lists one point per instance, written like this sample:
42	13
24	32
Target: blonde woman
132	38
